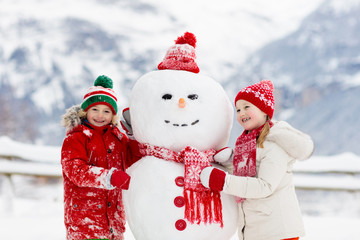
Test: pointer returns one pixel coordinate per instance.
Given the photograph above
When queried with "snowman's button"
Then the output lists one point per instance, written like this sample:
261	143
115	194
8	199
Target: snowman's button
179	201
180	181
180	224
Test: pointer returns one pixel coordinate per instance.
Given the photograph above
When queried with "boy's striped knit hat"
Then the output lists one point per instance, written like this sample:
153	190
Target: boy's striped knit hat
101	93
259	94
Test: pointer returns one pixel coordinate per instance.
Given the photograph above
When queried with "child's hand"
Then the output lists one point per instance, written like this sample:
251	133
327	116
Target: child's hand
126	125
213	178
223	155
120	179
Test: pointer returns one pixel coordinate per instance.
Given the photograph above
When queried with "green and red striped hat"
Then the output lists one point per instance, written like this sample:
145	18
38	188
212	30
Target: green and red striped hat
101	93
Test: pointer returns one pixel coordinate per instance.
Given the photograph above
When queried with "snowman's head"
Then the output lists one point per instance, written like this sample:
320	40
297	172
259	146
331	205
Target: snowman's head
175	109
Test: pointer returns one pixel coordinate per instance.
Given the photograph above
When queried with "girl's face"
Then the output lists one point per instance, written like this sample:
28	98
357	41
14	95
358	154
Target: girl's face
99	115
249	116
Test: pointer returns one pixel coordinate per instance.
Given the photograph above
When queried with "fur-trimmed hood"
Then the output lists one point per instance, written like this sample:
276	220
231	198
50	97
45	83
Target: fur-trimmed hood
71	118
296	143
74	116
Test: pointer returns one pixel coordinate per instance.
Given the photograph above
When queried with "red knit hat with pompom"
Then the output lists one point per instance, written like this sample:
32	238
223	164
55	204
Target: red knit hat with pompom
259	94
181	56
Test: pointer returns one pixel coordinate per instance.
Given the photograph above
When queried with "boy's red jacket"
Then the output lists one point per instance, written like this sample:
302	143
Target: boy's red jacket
92	207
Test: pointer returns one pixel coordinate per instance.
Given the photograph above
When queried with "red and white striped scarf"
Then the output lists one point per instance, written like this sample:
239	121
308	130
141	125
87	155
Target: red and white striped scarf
201	204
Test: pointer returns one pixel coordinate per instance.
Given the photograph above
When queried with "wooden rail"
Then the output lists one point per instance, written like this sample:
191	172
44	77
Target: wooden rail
28	168
303	179
328	180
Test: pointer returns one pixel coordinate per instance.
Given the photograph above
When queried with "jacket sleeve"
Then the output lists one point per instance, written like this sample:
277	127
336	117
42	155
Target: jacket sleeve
133	152
75	164
272	168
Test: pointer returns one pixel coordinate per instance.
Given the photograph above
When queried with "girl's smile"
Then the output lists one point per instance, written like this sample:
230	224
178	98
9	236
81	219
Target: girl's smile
249	116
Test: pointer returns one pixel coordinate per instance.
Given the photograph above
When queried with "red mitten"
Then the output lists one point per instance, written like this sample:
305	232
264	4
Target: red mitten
213	178
120	179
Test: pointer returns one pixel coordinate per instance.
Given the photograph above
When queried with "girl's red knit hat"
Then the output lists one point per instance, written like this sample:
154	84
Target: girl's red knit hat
259	94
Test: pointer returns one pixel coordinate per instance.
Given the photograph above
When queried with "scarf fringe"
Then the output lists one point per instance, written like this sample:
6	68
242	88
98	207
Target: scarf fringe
201	204
203	207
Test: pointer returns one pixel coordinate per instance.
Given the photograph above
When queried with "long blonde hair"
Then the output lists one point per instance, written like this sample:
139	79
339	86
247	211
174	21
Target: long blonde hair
263	133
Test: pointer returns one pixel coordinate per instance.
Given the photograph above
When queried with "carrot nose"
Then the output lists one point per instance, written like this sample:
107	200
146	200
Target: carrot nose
182	103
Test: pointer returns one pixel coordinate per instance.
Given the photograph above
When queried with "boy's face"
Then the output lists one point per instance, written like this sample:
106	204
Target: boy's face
99	115
249	116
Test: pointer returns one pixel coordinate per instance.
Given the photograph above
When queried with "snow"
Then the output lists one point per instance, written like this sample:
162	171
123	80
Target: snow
340	6
35	153
33	210
40	219
35	207
327	182
146	99
181	112
349	163
26	168
237	29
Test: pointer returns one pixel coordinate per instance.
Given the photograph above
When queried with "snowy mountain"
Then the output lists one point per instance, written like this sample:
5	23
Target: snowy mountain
317	72
51	52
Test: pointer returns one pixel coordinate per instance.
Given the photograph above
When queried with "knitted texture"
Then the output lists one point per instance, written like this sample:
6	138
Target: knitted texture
259	94
201	204
100	93
120	179
245	155
217	179
103	81
181	56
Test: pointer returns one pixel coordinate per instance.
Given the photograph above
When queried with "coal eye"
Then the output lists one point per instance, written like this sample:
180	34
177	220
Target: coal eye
193	96
167	96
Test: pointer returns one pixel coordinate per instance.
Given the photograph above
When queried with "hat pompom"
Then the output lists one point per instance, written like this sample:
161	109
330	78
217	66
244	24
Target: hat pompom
268	83
188	38
104	81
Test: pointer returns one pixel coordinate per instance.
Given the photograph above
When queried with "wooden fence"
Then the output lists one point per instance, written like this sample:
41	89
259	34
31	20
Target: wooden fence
327	180
13	165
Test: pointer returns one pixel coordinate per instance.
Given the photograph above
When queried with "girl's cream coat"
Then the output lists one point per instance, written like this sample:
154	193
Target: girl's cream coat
271	210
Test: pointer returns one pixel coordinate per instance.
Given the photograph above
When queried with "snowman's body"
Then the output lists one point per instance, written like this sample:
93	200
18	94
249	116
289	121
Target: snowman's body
174	109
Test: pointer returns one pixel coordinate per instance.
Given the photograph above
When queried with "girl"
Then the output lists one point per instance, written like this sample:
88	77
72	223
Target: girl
262	178
94	157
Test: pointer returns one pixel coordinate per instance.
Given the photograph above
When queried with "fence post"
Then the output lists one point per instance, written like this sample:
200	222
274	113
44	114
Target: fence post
8	195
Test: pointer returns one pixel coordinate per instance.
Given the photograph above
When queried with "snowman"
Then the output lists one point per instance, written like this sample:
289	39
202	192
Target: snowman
182	121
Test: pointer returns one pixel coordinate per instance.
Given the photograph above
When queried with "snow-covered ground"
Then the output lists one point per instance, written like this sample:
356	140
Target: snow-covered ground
32	208
43	219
